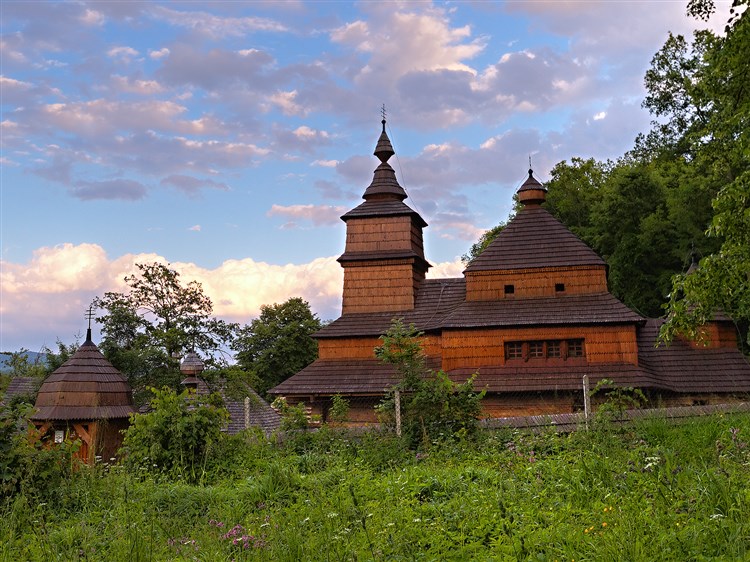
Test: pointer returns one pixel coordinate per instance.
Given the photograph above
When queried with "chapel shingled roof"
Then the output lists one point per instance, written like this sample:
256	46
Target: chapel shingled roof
85	387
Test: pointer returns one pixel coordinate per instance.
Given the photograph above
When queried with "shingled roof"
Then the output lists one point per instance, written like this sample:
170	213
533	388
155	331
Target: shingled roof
85	387
436	299
599	308
683	367
534	238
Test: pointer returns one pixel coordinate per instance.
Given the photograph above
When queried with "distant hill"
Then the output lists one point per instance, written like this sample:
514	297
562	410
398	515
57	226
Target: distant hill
33	356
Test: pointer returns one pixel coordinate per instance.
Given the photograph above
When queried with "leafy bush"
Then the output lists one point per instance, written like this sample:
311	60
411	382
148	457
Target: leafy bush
176	437
432	406
27	465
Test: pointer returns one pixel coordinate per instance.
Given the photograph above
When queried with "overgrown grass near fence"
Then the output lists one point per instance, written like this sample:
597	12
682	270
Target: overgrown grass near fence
651	490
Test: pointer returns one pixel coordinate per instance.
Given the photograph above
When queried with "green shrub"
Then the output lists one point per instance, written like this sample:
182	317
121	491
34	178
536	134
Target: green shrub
176	437
433	407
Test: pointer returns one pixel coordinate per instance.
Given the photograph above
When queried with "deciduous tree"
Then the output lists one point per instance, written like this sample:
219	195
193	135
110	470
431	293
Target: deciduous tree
277	344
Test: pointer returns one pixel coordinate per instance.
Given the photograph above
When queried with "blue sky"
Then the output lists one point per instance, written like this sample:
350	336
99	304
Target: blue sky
226	138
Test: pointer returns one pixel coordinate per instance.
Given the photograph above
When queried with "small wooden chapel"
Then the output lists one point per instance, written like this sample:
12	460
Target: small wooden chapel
85	399
530	317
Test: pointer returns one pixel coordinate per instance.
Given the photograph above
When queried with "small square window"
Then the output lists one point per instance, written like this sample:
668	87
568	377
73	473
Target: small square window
514	350
510	289
554	349
560	287
575	348
536	349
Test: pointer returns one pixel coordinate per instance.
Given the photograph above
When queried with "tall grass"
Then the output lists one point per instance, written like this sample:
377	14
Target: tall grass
654	490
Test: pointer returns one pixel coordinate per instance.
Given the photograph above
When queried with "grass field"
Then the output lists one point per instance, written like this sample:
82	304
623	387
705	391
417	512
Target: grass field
656	490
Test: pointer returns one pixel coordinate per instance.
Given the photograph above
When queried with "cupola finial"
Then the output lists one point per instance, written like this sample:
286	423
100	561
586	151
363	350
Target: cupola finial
383	150
89	314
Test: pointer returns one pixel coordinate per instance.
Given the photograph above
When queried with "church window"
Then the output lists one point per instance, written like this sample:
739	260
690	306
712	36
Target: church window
559	287
554	349
514	350
575	348
536	349
510	289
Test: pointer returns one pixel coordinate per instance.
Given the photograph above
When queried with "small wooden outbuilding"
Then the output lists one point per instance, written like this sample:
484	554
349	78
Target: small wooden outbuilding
88	399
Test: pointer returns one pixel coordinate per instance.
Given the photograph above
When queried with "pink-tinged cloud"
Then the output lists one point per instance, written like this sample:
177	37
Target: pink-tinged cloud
319	215
122	189
45	299
190	185
215	26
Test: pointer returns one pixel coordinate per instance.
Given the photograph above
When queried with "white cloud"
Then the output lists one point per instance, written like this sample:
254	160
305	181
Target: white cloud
161	53
136	86
214	26
195	228
285	101
122	53
599	116
92	18
449	269
325	163
45	298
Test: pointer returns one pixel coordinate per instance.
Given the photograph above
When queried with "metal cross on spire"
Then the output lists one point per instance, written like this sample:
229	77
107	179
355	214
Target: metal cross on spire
382	111
89	314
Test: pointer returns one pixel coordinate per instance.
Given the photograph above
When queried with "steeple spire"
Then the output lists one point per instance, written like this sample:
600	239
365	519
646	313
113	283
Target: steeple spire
89	314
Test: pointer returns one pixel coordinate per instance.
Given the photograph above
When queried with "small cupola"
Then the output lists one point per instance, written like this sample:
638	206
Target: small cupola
191	367
532	192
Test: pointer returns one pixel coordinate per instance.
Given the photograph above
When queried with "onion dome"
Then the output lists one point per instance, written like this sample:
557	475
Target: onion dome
384	183
384	196
532	192
85	387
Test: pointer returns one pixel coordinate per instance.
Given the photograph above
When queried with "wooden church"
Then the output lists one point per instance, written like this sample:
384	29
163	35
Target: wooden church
530	317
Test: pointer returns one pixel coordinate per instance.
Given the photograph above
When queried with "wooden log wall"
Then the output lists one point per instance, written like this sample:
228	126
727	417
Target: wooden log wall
483	348
716	334
490	285
363	348
383	233
380	286
494	406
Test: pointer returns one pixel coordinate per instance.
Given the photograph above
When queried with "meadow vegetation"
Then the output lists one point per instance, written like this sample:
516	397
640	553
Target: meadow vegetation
654	490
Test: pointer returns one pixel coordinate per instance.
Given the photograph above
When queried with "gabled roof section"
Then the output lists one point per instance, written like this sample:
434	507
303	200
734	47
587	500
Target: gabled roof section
436	299
533	239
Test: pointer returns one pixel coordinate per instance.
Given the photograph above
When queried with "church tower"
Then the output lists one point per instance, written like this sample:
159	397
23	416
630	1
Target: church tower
383	260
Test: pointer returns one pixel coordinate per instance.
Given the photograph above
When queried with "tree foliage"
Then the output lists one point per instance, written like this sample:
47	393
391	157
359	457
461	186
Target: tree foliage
145	330
432	406
715	144
176	436
277	344
681	191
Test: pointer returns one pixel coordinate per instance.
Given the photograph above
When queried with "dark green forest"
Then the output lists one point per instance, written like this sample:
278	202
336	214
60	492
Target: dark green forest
681	195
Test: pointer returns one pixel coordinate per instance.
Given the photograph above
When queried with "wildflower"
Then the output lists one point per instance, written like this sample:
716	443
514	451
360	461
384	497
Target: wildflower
604	523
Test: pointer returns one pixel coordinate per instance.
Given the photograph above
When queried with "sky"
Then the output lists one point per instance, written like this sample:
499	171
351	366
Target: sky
227	138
